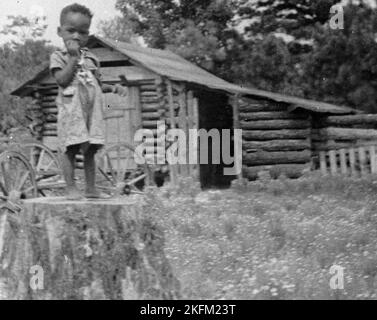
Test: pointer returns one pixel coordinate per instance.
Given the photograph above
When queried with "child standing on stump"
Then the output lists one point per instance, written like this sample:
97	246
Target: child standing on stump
80	100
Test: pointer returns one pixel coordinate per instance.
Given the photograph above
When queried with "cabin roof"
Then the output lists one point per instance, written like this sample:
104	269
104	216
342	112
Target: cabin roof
168	64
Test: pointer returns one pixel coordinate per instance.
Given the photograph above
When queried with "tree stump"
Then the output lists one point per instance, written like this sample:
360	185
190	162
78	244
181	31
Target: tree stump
80	250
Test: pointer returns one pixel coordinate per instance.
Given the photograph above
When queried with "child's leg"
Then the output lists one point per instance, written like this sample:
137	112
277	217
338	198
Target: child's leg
90	172
68	164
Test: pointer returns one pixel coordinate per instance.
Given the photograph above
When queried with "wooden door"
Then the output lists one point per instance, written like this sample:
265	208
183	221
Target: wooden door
122	119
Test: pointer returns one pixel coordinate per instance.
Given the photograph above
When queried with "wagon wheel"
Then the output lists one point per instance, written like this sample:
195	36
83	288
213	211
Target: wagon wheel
46	165
17	178
118	171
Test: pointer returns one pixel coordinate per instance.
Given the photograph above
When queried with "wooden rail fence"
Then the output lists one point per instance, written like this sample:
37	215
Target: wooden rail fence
361	161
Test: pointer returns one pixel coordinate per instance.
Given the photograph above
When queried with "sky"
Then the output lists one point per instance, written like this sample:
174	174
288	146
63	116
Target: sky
102	9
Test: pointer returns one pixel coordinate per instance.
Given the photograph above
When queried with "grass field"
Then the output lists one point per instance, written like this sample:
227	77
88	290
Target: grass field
271	239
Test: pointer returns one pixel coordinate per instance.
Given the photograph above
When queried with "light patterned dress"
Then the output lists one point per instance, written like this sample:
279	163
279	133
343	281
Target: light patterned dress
81	104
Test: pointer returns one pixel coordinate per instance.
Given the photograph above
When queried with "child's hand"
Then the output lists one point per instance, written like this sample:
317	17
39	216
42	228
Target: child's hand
120	90
73	48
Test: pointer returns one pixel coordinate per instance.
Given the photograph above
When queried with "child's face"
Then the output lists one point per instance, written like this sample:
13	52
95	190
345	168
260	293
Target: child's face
75	27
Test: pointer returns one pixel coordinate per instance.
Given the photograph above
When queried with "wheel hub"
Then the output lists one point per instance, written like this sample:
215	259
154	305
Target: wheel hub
14	196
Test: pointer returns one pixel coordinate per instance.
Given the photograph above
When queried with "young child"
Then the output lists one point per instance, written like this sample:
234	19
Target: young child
80	100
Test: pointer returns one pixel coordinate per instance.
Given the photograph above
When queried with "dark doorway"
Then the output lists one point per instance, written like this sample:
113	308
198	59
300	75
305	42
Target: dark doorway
215	112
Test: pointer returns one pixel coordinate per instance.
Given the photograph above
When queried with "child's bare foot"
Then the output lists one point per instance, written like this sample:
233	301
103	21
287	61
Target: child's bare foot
73	194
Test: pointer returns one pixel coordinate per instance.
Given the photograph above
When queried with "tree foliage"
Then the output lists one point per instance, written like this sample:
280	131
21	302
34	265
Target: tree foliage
283	46
20	59
294	19
343	66
22	28
118	28
198	30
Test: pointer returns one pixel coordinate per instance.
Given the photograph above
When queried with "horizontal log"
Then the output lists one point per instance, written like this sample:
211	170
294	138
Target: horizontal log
50	126
151	107
51	118
147	100
265	158
350	120
151	115
290	170
53	110
148	87
345	134
275	124
261	106
271	115
47	99
50	133
275	134
148	94
336	145
49	92
48	104
276	145
149	124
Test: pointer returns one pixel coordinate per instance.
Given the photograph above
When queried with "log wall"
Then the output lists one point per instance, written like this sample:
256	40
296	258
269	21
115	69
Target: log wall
274	139
336	136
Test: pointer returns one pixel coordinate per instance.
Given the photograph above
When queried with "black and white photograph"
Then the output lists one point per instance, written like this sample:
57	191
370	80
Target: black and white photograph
212	151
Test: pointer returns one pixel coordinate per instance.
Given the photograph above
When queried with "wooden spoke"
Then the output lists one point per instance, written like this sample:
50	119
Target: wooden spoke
27	190
116	165
49	165
17	178
45	164
40	160
3	189
5	175
32	157
22	181
112	172
17	172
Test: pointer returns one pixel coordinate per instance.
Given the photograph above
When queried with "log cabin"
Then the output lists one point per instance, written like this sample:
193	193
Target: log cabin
280	134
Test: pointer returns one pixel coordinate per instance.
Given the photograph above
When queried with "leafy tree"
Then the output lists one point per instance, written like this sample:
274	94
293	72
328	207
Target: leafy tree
343	66
285	46
267	64
19	60
200	31
293	19
118	28
22	28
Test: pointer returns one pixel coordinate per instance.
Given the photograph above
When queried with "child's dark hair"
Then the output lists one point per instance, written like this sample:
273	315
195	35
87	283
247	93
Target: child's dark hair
75	8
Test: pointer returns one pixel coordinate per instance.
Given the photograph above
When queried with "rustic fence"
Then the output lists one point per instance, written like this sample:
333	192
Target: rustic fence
360	161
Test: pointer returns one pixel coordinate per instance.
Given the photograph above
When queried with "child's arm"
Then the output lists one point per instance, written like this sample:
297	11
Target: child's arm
65	75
